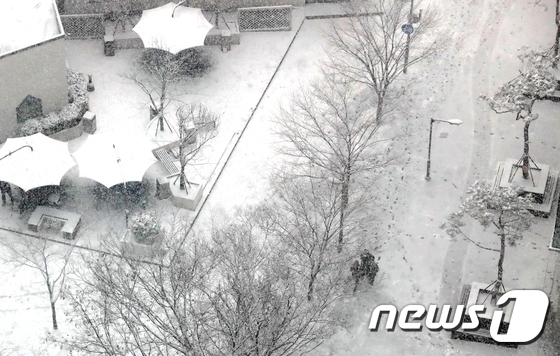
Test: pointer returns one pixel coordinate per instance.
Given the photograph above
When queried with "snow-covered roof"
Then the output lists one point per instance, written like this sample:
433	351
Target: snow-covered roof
24	23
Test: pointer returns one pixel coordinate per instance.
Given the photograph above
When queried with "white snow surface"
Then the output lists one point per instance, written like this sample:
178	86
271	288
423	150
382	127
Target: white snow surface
24	23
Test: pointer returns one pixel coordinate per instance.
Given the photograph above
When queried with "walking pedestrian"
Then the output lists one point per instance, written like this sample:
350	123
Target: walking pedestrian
369	266
356	274
5	188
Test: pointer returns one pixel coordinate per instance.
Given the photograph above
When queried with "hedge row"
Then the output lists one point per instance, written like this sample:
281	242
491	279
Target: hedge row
70	114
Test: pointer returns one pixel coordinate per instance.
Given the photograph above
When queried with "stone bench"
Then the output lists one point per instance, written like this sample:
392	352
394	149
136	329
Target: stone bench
90	122
45	215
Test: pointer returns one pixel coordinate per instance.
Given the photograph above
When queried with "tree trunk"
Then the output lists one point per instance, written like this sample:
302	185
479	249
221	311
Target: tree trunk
556	46
379	112
53	312
311	286
499	280
312	279
525	167
182	185
161	118
343	205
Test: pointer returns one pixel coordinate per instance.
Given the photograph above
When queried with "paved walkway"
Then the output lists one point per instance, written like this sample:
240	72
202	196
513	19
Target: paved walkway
465	96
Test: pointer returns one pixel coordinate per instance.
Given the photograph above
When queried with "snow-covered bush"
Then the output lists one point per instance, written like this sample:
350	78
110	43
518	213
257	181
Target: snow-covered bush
70	114
31	127
145	227
195	62
191	62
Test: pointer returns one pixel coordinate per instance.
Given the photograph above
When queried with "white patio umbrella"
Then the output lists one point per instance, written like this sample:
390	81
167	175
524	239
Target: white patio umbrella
172	28
113	160
35	161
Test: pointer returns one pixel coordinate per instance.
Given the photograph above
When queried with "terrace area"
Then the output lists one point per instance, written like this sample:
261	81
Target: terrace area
26	23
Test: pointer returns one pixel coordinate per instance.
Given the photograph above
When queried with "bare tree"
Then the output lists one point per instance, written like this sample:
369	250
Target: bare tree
504	209
157	71
333	128
519	95
231	296
47	257
305	212
123	306
260	302
197	125
370	46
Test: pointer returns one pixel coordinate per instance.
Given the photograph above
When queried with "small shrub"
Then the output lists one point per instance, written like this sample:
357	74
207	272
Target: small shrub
195	62
192	62
74	77
31	127
145	227
51	123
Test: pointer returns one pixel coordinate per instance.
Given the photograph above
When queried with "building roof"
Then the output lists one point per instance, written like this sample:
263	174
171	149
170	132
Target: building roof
25	23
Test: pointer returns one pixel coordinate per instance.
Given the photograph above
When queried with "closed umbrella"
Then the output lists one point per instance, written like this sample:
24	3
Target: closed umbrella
113	160
172	28
43	163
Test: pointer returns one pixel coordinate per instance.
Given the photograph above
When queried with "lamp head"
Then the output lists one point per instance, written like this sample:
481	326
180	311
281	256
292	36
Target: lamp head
455	122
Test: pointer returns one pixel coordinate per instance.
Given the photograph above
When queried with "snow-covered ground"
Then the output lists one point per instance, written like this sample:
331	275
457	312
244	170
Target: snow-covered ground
24	23
419	263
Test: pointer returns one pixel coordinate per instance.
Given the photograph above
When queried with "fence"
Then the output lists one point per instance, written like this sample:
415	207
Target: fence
83	26
267	18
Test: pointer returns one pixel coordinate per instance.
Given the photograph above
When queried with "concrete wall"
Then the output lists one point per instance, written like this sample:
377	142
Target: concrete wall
103	7
39	71
235	4
88	7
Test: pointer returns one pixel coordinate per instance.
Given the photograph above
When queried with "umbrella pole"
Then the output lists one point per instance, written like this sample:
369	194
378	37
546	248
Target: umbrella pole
125	189
14	151
125	205
176	6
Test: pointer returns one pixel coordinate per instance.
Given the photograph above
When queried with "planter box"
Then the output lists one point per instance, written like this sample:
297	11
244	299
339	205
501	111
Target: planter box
214	37
477	294
186	201
69	134
131	247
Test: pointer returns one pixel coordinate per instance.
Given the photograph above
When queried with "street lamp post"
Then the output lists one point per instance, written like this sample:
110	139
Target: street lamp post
14	151
125	189
456	122
408	33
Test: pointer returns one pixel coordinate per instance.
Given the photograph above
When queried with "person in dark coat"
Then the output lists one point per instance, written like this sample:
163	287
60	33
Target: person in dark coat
369	266
357	274
5	188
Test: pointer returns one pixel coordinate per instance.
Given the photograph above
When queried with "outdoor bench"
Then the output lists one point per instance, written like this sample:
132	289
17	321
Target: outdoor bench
168	161
44	216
